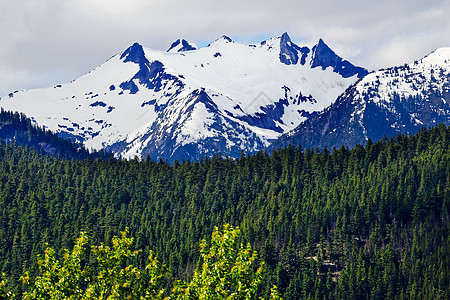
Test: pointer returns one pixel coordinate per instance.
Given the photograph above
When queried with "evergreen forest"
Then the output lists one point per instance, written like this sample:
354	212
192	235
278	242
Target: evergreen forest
19	129
370	222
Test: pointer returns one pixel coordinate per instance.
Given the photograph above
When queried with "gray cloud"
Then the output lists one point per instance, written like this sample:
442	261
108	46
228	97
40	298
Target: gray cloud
48	41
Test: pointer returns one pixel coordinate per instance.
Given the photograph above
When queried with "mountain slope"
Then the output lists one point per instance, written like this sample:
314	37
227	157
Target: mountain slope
188	102
17	129
387	102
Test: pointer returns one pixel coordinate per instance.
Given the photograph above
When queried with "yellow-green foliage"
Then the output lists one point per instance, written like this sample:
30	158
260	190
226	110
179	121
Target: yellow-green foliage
228	270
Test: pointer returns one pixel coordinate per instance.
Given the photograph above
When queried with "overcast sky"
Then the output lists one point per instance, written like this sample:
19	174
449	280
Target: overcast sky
43	42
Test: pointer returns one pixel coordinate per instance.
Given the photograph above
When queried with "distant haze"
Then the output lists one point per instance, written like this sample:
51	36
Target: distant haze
54	41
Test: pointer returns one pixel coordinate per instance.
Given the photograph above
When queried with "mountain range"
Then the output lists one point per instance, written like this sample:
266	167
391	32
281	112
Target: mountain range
189	102
398	100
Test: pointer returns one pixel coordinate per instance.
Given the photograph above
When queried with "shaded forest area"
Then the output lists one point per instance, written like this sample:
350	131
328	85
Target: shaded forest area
17	128
366	223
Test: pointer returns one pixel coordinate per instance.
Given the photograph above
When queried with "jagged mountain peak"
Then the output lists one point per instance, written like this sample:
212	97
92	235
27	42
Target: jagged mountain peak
324	57
321	44
285	39
290	53
285	35
135	53
321	55
222	40
181	45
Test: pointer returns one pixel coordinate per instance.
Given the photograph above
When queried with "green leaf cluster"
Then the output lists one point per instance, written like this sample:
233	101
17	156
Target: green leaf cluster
227	271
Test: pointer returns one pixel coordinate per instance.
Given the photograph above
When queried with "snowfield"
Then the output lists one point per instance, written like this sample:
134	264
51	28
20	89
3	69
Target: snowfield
188	102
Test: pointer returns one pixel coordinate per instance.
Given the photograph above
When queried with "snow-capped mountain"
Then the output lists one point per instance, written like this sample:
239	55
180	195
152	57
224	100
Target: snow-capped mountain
189	102
387	102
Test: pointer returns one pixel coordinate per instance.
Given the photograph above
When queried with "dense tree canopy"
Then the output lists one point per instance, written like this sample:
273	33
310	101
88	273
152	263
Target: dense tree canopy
367	223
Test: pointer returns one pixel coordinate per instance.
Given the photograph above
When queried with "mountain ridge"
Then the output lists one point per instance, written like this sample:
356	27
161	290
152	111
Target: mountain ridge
137	103
397	100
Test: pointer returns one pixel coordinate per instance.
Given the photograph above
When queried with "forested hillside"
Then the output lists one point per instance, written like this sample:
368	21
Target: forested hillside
366	223
17	128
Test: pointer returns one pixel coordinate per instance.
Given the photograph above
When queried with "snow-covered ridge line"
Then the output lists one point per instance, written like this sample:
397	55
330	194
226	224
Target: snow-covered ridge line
383	103
187	101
